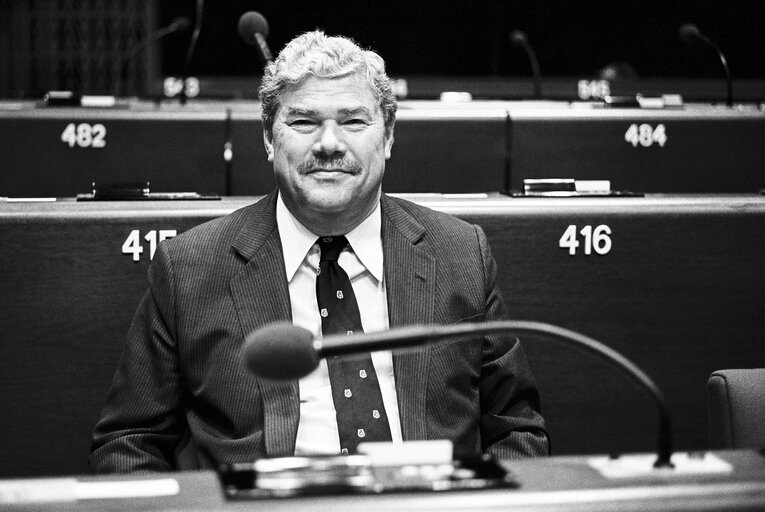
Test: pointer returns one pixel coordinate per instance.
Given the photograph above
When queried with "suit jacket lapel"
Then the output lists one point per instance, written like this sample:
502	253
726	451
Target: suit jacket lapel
410	282
261	296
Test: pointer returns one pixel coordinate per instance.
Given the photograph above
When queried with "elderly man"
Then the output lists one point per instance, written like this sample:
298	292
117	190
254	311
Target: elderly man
331	253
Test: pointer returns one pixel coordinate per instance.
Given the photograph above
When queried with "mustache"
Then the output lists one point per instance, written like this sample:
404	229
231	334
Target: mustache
330	163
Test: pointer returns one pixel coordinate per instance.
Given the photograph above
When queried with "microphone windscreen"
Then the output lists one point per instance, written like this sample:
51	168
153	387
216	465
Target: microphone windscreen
518	37
280	351
689	32
251	23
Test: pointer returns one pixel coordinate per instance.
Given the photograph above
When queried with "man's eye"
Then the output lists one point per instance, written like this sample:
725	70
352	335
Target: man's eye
355	122
301	122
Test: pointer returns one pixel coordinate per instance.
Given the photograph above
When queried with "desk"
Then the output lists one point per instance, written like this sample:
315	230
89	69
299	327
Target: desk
699	148
552	484
680	292
218	148
479	146
62	151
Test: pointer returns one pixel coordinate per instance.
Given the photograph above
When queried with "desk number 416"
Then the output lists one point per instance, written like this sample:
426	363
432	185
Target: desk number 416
594	239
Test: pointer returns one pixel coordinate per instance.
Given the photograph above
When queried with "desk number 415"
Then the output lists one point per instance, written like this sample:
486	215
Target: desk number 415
593	239
132	244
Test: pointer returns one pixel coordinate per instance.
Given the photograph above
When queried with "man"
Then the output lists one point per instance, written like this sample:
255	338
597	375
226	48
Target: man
329	115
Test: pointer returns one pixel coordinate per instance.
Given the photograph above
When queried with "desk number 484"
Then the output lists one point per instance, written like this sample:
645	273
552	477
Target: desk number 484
596	239
645	135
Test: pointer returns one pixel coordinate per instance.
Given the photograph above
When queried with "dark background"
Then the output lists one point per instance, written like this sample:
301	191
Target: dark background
461	38
89	46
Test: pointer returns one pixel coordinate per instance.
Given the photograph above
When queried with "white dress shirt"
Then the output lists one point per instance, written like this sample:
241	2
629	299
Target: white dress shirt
317	429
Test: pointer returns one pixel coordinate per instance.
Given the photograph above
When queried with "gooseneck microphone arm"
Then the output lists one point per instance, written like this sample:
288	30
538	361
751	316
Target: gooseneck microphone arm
690	33
200	8
282	351
664	441
179	24
518	38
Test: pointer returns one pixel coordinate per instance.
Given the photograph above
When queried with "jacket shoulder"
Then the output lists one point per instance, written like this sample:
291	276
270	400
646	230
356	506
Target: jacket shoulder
436	224
221	232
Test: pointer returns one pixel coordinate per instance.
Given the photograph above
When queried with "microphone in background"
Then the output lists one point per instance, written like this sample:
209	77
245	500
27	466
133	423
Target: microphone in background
192	47
179	24
253	29
282	351
691	34
518	38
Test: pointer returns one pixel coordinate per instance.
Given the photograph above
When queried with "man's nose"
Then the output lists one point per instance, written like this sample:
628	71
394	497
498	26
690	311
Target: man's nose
330	139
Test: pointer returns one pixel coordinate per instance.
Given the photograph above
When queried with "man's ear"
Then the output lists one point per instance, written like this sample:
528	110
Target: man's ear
389	139
268	141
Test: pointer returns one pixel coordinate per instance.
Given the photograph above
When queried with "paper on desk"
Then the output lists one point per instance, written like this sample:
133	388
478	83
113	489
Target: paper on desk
46	490
631	466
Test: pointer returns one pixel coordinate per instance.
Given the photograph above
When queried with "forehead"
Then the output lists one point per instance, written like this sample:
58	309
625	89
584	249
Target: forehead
329	94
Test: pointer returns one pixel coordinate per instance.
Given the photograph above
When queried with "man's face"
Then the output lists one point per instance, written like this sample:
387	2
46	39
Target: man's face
328	145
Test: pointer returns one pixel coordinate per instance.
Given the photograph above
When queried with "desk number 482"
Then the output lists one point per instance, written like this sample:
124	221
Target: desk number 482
84	135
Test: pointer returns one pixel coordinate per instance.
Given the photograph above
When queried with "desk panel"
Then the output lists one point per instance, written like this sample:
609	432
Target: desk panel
448	150
680	291
60	152
697	149
252	173
480	146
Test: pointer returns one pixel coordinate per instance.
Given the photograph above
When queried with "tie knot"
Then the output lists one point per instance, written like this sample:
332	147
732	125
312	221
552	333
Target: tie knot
331	247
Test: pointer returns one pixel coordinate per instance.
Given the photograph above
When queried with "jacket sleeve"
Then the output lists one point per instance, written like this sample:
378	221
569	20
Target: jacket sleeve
511	422
143	420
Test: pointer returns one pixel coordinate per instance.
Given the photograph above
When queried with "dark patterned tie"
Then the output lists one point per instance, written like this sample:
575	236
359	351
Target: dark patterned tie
355	389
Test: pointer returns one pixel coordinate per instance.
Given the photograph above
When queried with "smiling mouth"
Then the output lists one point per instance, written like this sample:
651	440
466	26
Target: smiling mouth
329	174
331	171
322	169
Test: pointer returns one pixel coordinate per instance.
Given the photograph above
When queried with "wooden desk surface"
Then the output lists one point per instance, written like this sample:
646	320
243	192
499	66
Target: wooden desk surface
552	484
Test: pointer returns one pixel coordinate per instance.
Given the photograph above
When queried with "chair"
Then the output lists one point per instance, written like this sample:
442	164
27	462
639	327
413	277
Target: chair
736	408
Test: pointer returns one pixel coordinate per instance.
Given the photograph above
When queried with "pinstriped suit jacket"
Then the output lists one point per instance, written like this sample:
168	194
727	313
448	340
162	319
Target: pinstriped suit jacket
180	379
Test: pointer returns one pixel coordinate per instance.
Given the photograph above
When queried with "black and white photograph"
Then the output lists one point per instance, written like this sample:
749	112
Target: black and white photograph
327	255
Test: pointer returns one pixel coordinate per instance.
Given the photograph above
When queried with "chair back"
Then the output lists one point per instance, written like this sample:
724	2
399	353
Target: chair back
736	408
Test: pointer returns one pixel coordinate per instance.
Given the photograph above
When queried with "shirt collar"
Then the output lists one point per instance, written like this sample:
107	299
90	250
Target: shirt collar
297	240
366	241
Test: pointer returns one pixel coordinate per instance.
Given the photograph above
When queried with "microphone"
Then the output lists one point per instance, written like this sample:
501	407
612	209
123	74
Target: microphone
253	29
690	34
200	8
282	351
179	24
518	38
